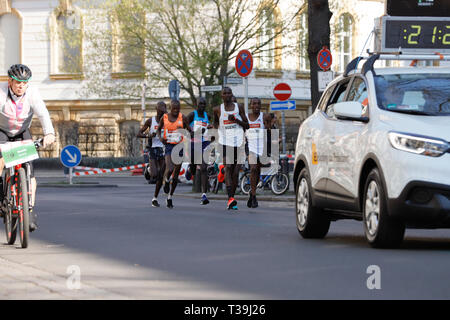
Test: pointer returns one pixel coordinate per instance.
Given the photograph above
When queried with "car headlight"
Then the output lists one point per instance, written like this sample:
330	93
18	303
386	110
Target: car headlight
419	145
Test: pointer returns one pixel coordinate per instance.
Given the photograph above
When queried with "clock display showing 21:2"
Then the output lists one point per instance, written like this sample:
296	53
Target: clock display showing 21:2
418	34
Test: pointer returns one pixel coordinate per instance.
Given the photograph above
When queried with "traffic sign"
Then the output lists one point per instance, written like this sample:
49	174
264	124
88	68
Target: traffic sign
324	77
174	89
324	59
234	81
244	63
282	91
70	156
210	88
282	105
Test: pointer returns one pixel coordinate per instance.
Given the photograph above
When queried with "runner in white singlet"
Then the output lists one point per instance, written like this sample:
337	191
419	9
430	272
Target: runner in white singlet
231	121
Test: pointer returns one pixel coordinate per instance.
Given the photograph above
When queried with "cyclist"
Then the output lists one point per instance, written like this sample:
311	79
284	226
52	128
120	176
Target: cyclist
156	148
231	121
258	122
199	123
18	103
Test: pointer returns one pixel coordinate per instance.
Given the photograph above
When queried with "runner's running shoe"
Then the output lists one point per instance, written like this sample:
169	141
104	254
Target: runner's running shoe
205	200
250	201
231	203
254	202
155	204
169	203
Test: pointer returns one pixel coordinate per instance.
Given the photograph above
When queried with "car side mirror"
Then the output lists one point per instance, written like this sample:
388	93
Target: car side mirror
350	110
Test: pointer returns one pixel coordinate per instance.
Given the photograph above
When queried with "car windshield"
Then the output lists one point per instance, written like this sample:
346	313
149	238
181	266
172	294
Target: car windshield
421	94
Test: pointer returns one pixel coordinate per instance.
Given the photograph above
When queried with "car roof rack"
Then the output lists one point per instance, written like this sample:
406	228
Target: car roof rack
368	65
373	56
353	65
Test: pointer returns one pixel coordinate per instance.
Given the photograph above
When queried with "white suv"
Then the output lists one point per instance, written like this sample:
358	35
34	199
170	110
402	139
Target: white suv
377	149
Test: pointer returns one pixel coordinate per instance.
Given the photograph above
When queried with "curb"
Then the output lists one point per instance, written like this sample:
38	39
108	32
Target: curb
241	197
75	185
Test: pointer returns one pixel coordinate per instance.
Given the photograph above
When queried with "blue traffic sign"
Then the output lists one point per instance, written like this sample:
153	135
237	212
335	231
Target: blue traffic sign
70	156
174	90
282	105
324	59
244	63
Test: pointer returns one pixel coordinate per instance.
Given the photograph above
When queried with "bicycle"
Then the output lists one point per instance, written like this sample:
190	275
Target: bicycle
270	177
17	200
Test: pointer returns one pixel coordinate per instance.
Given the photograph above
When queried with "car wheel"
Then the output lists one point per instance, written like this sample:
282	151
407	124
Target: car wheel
380	229
312	222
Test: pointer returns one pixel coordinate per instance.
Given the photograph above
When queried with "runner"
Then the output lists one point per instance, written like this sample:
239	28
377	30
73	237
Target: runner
170	136
156	148
199	123
256	139
230	120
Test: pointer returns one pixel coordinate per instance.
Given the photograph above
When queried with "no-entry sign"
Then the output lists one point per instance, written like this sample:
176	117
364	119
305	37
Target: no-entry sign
282	91
244	63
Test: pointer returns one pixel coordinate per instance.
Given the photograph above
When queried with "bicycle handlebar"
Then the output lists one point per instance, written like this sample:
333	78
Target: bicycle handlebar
38	143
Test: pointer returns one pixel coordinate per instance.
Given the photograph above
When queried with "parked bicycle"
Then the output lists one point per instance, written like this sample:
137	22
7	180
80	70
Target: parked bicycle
271	177
17	195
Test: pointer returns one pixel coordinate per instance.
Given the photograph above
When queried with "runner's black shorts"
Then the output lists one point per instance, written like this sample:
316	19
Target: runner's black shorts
198	147
156	153
25	135
231	154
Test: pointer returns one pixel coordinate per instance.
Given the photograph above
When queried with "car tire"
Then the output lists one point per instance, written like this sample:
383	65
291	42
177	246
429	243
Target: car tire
312	222
381	230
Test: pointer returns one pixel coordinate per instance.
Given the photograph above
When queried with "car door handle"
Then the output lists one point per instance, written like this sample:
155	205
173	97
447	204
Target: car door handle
332	141
308	135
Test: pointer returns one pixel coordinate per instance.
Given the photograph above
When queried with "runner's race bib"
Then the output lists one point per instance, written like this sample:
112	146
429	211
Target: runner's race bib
18	152
173	137
199	125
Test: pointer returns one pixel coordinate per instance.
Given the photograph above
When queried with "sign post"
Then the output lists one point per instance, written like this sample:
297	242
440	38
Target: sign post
244	66
282	92
70	157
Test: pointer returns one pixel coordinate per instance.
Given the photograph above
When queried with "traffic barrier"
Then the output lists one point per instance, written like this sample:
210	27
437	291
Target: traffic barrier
100	171
86	168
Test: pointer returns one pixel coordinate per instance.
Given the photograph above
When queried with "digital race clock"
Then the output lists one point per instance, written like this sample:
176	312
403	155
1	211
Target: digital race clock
416	34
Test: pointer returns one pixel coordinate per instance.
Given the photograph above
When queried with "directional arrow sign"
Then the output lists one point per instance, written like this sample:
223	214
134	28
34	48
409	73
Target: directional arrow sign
70	156
282	105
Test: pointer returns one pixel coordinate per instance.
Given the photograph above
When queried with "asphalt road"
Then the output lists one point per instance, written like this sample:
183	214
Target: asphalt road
114	245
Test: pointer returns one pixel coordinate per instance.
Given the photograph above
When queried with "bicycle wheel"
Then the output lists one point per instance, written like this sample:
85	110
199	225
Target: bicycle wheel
245	184
279	183
22	206
9	219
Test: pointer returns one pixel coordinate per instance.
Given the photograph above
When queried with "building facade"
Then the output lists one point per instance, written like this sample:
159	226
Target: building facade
47	35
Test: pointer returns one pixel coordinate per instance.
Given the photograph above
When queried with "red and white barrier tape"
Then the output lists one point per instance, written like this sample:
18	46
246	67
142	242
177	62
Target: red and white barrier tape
86	168
100	171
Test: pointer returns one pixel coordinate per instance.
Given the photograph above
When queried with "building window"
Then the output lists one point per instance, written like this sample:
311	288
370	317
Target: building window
10	39
266	39
269	37
69	43
303	41
344	37
128	48
66	26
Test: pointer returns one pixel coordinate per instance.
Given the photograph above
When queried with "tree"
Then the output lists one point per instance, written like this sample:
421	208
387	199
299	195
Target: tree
192	41
319	16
